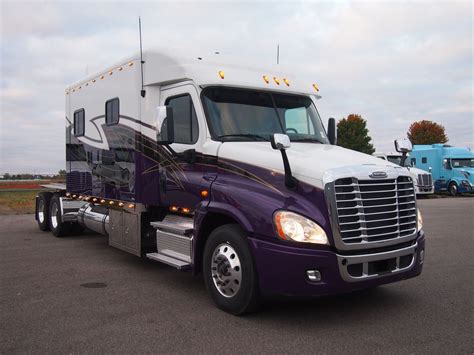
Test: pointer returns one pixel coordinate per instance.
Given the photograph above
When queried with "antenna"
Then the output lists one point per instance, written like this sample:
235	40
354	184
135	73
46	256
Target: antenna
142	92
278	53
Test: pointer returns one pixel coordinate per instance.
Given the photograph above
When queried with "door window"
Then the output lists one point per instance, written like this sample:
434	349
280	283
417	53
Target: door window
186	129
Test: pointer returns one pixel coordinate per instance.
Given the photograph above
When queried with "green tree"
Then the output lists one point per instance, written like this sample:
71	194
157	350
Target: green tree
426	132
352	133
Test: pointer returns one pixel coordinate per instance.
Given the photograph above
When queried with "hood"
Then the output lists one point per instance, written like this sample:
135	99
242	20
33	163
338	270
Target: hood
466	173
417	171
309	162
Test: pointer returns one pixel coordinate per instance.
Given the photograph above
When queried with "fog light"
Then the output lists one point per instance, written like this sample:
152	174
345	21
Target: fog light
313	275
422	256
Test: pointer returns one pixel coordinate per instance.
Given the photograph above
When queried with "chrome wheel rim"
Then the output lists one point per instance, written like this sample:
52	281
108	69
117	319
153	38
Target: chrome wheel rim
226	270
41	211
454	189
54	215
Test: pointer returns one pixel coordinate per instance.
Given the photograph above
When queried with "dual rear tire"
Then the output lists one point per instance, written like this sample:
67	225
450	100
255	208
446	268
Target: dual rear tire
48	215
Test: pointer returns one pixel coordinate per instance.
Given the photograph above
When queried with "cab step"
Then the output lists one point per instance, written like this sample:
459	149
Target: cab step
179	264
174	241
175	224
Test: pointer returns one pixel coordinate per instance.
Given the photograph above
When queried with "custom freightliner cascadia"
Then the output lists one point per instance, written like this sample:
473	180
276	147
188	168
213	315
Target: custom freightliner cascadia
229	171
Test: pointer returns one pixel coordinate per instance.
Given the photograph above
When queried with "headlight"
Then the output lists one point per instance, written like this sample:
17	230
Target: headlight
419	218
292	226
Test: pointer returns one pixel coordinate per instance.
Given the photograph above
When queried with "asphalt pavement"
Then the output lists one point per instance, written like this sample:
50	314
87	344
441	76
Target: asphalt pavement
78	295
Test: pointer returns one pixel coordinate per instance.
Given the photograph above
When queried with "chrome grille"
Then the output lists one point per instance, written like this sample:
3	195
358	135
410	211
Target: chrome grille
375	210
425	180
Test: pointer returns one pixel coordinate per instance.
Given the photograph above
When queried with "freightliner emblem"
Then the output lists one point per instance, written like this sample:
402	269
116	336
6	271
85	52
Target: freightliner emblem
378	174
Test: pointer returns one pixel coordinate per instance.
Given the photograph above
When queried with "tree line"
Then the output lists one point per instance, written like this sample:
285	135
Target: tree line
352	133
61	175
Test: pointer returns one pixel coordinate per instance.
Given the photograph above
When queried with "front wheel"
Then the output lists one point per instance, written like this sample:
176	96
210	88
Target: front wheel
453	189
42	210
229	271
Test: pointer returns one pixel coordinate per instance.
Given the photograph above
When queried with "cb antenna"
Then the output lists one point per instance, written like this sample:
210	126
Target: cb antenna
142	92
278	53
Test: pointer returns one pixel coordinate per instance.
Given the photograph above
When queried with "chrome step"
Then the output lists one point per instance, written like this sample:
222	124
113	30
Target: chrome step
175	225
179	264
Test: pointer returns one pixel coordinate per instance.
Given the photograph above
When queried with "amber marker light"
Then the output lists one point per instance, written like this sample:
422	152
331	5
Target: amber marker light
120	69
131	205
111	72
74	196
121	204
111	203
186	210
286	81
276	80
174	209
93	80
102	77
221	74
266	79
102	201
130	64
315	87
68	194
204	193
94	200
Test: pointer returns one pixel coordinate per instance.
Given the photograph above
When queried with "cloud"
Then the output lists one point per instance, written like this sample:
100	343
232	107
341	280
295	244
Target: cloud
393	63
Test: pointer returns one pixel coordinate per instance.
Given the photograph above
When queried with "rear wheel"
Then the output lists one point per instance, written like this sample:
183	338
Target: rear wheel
229	271
453	189
58	227
42	210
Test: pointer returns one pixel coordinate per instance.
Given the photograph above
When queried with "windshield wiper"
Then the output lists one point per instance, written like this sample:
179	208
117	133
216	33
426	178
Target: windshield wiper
305	140
245	135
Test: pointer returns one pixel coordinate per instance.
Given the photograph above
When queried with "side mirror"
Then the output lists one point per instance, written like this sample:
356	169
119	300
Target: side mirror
164	125
403	145
280	141
332	131
430	169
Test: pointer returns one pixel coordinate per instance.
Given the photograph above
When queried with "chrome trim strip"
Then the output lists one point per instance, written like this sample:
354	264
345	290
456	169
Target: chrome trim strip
345	260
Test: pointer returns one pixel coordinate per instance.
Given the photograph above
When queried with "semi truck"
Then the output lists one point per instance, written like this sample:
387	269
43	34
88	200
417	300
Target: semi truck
452	167
227	170
422	179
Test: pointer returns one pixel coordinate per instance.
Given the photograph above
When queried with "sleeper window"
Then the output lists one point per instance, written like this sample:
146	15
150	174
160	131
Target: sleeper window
185	121
112	111
79	124
424	160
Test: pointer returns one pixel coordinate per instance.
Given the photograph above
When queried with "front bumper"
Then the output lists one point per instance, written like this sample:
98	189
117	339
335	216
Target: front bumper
282	269
424	190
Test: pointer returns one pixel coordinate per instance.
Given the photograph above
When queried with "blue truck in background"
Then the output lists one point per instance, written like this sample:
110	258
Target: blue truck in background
452	168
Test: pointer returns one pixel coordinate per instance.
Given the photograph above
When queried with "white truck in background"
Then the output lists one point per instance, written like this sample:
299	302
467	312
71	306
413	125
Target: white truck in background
422	179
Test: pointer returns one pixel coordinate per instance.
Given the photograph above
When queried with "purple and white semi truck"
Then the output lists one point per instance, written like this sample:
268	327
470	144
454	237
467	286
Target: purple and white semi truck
228	170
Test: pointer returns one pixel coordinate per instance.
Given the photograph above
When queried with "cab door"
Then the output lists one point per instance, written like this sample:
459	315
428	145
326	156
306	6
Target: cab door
182	177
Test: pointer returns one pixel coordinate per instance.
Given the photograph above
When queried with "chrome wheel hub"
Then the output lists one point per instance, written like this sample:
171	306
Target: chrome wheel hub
54	215
226	270
41	211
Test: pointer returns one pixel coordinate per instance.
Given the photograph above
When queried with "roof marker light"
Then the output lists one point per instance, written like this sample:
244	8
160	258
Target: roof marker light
315	87
286	81
111	72
131	205
221	74
130	64
111	203
186	210
266	79
276	80
174	209
93	80
102	77
120	69
87	84
121	204
94	199
102	201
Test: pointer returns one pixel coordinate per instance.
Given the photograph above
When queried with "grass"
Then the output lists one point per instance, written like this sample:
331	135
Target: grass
17	202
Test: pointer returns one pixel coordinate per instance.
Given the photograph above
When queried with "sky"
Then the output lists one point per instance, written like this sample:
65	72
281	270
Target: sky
391	62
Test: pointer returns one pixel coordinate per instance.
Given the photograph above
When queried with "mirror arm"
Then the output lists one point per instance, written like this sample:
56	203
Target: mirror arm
404	158
290	180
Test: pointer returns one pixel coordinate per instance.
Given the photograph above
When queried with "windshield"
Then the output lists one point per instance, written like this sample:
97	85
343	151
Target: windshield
462	163
243	115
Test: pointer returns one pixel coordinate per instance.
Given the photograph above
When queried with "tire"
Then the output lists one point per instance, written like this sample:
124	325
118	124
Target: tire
453	189
42	210
229	270
58	227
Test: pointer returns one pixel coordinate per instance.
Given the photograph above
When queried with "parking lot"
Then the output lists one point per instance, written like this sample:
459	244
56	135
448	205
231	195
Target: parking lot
77	294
